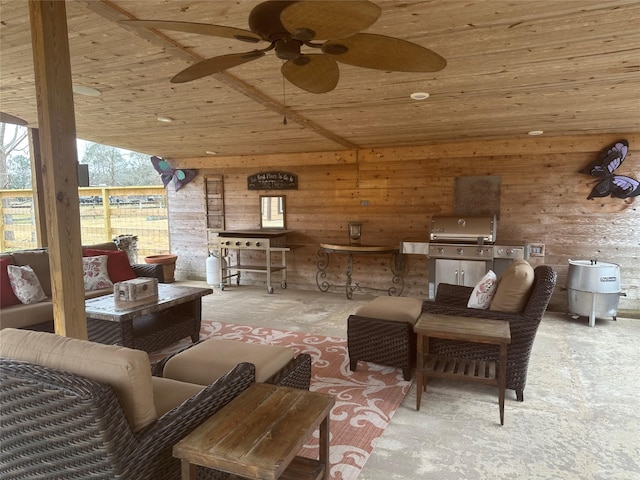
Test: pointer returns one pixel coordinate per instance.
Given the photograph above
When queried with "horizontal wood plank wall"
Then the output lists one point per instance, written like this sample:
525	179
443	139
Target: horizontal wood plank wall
395	191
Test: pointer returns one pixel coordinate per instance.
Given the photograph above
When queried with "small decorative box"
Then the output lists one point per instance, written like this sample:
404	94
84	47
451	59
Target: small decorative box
142	288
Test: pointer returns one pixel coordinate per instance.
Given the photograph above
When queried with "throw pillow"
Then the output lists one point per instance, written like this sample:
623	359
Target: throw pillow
95	273
514	288
7	297
484	291
25	284
118	266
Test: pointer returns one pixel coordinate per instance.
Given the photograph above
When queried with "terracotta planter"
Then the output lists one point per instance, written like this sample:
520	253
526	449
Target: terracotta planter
168	262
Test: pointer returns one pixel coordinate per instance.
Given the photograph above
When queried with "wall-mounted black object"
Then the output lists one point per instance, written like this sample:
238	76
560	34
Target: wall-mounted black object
83	175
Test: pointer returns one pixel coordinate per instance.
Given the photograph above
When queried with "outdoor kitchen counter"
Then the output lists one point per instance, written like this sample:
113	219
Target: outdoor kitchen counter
396	266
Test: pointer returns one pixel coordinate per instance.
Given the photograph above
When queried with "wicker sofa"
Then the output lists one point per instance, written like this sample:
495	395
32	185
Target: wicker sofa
39	316
104	417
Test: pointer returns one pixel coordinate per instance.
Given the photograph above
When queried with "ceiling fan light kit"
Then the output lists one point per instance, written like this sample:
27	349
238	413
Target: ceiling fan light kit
289	26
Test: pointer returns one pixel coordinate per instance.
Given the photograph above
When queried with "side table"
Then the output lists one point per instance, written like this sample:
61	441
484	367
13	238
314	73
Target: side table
464	329
258	434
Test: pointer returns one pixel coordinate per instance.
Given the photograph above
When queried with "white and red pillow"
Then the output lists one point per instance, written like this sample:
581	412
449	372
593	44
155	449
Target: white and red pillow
118	266
484	291
25	284
95	273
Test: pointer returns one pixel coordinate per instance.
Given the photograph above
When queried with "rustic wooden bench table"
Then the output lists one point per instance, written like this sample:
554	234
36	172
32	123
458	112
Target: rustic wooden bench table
465	329
258	435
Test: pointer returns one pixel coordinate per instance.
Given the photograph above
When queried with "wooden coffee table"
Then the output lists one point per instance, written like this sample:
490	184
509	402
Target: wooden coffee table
465	329
259	433
148	326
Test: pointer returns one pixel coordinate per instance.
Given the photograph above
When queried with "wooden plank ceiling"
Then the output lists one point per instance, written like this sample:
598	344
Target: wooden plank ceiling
565	67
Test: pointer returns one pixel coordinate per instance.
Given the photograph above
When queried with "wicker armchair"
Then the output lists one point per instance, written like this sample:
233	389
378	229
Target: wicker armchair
452	300
60	425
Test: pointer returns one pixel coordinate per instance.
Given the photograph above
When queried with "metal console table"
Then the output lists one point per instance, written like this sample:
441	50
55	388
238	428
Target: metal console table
351	250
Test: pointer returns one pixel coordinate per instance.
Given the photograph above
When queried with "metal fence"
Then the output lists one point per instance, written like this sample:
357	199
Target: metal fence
105	213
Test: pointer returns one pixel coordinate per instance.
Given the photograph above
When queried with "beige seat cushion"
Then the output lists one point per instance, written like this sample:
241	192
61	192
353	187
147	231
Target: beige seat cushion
206	362
399	309
168	393
20	316
514	288
128	371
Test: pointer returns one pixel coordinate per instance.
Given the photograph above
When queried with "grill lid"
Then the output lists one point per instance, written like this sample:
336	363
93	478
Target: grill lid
478	230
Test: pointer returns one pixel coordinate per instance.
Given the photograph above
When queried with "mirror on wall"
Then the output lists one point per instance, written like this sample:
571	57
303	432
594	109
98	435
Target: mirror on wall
272	210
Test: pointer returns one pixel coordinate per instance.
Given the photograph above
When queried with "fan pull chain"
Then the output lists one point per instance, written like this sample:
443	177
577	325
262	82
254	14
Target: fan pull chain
284	101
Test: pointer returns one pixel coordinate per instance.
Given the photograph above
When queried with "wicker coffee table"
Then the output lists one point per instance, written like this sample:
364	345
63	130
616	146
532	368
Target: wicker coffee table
148	326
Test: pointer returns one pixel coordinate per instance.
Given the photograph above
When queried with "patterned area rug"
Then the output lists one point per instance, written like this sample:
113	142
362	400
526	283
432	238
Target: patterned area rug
365	400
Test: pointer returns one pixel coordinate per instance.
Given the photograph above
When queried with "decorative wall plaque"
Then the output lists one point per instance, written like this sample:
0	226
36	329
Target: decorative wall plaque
477	196
272	181
607	181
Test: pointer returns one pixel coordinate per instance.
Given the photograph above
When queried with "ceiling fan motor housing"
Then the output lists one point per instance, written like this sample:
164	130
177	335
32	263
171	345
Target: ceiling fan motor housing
288	49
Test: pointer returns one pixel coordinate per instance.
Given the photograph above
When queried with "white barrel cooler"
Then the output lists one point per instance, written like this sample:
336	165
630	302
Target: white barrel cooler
593	288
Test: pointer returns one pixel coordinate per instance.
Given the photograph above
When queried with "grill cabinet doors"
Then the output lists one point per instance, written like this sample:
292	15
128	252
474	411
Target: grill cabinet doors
459	272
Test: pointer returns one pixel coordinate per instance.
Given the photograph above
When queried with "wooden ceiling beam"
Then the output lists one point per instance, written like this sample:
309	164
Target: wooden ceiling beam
111	12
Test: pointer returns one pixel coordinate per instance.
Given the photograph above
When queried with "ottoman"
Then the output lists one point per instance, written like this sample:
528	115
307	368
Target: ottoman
205	362
382	332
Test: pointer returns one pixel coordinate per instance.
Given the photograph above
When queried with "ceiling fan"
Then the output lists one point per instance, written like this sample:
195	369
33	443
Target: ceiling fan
289	26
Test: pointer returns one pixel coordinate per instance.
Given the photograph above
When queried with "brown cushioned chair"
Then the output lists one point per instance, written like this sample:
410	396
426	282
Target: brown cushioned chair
73	409
452	300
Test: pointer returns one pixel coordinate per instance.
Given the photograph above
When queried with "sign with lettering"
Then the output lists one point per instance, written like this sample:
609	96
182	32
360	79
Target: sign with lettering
272	181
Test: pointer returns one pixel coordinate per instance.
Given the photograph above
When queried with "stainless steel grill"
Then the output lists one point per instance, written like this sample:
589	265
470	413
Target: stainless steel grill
462	249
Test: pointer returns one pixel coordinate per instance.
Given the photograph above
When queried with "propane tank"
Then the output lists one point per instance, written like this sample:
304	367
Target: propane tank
213	270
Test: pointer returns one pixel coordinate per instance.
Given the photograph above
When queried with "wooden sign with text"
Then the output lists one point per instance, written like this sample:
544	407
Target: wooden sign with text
272	181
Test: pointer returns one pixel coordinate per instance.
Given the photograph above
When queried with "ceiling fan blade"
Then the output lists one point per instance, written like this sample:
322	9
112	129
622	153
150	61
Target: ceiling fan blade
199	28
384	53
319	74
7	118
328	20
214	65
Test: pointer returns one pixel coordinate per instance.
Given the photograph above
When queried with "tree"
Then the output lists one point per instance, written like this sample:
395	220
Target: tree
19	172
12	141
110	166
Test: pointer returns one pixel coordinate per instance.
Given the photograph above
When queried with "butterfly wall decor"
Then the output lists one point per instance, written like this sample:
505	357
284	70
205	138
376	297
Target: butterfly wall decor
618	186
180	177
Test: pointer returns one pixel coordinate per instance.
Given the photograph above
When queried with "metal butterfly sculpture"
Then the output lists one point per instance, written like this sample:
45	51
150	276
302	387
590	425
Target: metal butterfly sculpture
180	177
618	186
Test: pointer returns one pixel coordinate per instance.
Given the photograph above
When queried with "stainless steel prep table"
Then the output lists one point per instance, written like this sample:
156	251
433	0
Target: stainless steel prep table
266	240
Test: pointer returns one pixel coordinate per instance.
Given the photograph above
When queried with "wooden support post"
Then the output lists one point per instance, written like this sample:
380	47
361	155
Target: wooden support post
38	188
58	169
